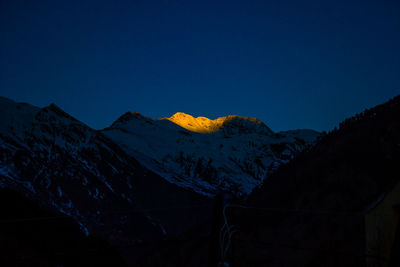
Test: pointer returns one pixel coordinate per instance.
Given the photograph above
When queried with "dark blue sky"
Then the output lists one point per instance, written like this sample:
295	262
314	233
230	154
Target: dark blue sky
295	64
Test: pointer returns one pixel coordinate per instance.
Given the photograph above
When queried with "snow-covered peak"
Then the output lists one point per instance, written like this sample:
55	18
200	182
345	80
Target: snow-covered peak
198	125
230	124
130	116
59	112
229	153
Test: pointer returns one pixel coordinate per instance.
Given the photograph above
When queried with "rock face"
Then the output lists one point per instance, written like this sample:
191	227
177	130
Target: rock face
231	153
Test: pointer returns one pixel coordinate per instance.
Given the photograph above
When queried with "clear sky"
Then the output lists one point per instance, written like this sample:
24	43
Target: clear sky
292	64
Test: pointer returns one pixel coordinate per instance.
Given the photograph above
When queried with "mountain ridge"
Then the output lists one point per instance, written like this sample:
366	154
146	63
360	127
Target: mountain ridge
228	153
202	124
236	157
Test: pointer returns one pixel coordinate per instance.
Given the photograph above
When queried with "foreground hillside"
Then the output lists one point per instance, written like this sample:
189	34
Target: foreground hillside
350	171
348	168
31	235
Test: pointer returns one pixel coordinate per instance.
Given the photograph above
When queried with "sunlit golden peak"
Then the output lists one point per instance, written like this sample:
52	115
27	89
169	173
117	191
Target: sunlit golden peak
203	124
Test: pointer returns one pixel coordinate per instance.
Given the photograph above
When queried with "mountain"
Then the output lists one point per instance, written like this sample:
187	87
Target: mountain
139	182
231	153
61	163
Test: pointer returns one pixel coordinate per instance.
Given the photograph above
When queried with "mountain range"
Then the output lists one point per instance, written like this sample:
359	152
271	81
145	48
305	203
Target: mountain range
230	153
298	198
121	182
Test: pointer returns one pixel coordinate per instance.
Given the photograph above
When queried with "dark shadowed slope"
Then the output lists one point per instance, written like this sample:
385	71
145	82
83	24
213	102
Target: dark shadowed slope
348	169
31	235
324	194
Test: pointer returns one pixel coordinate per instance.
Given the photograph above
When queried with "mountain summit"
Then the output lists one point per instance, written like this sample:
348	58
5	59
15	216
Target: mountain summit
231	153
205	125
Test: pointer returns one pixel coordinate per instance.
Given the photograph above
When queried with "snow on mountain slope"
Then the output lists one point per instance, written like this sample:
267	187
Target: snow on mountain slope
53	158
230	153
